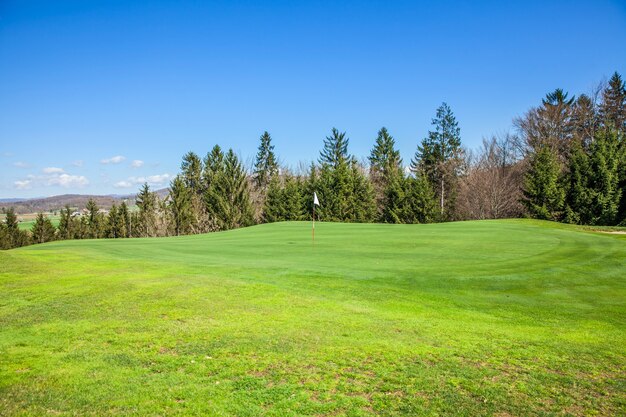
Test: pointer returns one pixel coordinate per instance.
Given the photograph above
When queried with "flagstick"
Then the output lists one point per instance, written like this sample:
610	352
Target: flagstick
313	230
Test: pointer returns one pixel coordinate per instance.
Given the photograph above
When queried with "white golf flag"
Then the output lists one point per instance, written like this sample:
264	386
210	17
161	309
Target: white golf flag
315	200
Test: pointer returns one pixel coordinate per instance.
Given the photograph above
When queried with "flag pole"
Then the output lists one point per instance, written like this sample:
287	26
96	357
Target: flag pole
313	230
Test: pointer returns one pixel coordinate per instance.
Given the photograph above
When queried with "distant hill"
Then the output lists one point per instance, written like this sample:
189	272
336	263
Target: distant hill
79	201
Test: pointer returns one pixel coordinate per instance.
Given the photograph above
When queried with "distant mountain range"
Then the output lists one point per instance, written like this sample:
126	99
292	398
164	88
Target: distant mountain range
78	201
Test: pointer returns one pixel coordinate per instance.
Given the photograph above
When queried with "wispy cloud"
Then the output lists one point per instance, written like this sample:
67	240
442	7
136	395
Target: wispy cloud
137	163
113	160
53	170
155	180
52	177
23	185
21	164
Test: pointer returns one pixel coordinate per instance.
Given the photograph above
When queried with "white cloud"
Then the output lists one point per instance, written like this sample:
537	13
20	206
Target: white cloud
52	177
53	170
136	163
123	184
78	163
21	164
113	160
23	185
68	181
155	180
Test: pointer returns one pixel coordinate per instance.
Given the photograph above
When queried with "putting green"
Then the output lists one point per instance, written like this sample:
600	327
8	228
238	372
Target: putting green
511	317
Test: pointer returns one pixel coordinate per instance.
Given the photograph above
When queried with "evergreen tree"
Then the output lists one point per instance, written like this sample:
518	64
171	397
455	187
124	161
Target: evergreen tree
579	195
265	165
65	223
363	203
43	231
147	203
95	221
335	184
293	206
117	221
543	195
604	161
273	206
438	157
386	174
395	208
124	218
191	171
230	196
310	185
180	206
420	204
14	237
613	106
212	197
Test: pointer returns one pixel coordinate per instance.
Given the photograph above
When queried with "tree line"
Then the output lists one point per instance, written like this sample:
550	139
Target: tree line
565	162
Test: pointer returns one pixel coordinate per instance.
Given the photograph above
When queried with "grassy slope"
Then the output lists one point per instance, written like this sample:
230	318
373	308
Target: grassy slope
471	318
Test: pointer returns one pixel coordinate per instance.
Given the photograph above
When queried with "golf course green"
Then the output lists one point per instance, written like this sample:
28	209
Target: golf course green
504	318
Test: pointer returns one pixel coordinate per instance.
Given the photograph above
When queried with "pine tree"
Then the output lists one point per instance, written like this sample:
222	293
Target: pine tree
95	221
385	175
578	194
212	197
273	206
420	204
335	184
265	165
191	172
147	202
125	220
604	161
14	237
438	157
230	196
613	106
43	231
180	206
292	199
543	195
66	231
363	203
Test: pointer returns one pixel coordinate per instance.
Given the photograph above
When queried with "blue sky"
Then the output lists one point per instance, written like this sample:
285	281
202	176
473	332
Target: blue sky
96	97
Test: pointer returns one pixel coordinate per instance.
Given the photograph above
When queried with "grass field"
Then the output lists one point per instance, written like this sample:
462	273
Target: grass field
505	318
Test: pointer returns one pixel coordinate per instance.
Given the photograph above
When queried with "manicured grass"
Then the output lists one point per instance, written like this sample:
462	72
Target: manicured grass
472	318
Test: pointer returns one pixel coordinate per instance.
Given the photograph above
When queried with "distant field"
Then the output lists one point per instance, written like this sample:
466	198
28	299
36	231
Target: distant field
26	221
505	318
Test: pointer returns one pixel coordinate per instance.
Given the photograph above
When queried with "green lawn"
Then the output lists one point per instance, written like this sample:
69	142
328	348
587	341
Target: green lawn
505	318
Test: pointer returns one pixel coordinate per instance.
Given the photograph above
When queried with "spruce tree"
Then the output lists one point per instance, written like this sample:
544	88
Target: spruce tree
265	164
335	184
363	203
66	229
15	237
420	204
273	205
578	208
613	106
230	198
543	195
438	157
386	174
43	231
605	163
180	206
146	201
124	217
191	171
293	206
95	221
